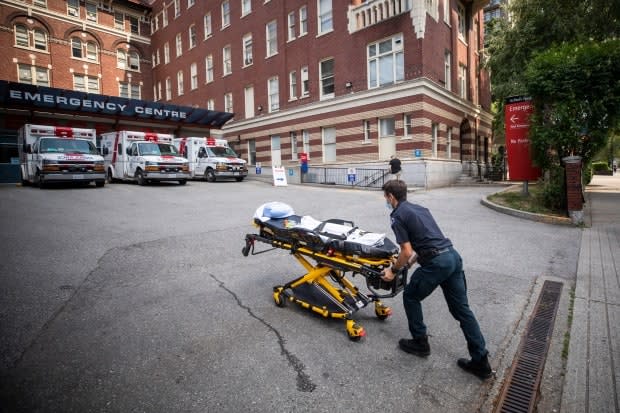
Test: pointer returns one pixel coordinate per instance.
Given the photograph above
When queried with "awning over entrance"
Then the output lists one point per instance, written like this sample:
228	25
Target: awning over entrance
30	97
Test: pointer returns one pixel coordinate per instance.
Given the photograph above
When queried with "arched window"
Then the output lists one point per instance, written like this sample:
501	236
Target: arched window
121	59
84	50
134	61
91	52
30	38
76	48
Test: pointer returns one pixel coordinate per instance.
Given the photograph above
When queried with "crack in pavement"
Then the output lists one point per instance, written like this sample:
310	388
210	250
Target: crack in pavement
304	382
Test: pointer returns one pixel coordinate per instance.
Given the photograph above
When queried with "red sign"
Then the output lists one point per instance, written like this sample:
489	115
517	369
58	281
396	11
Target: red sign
303	157
517	111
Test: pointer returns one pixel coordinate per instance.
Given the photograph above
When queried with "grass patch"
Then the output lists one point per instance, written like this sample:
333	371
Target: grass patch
571	306
532	202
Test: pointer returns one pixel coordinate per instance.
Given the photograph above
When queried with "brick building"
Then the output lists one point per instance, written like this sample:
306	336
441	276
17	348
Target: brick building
350	83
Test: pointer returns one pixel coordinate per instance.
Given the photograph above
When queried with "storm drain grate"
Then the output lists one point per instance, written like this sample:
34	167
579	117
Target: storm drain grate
521	387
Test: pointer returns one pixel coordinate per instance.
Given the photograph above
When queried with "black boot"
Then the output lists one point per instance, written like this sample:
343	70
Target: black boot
418	346
481	368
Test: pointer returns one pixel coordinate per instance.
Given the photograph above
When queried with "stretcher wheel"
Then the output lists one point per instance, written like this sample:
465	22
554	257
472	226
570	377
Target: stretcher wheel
382	312
277	297
354	330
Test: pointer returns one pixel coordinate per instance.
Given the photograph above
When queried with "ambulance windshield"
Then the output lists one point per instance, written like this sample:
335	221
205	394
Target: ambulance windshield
157	149
223	151
67	145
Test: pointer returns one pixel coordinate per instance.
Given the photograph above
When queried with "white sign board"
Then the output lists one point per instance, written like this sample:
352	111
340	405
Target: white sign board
279	176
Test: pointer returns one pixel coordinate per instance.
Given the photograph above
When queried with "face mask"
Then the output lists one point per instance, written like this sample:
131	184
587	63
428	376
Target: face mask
389	206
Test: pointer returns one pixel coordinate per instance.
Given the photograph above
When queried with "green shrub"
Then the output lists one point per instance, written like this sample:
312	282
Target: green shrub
553	194
600	166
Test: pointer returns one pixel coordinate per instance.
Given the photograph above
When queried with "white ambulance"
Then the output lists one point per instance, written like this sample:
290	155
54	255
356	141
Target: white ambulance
142	157
211	158
59	154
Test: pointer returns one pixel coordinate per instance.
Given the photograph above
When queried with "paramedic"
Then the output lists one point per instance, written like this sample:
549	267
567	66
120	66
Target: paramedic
395	167
421	240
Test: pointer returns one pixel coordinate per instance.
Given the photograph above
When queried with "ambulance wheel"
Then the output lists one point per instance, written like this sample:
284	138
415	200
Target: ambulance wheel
210	175
140	178
182	182
278	298
354	330
99	184
382	312
38	181
239	178
108	177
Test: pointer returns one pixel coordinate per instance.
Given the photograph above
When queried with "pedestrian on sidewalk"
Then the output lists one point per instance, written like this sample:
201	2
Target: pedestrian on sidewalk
395	167
421	240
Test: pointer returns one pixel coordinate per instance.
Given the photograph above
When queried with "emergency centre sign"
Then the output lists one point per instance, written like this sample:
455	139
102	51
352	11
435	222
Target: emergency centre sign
517	111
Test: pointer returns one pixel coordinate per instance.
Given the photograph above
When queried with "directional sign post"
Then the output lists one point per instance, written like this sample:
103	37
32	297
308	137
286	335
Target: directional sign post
517	112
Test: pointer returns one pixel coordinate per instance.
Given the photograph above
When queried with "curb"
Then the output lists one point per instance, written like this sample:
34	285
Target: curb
547	219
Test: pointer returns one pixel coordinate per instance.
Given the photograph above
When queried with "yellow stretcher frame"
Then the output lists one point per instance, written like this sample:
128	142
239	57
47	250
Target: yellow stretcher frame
332	295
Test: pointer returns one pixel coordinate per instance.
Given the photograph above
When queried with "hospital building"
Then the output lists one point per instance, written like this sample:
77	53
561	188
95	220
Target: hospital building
348	83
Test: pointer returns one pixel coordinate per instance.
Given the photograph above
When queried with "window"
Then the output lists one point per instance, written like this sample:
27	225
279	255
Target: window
209	68
273	91
448	69
228	102
463	81
177	8
84	83
166	53
91	51
76	48
119	21
226	60
294	155
247	49
449	143
246	7
121	59
158	95
179	45
180	83
432	8
207	24
211	104
190	3
164	17
325	16
84	50
157	56
73	8
252	151
387	127
91	12
366	128
407	126
305	83
134	61
326	69
134	25
385	62
33	75
292	85
192	36
40	3
193	73
168	88
303	21
446	11
305	138
32	39
129	90
434	138
462	23
272	38
225	14
329	144
291	26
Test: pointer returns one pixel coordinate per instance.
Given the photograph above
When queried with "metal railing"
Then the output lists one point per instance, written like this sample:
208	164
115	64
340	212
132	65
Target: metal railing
363	178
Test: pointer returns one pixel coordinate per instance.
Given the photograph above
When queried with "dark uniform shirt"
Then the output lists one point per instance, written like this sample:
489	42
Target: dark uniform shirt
415	224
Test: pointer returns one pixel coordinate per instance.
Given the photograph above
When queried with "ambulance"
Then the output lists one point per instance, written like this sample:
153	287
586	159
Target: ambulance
59	154
142	157
211	159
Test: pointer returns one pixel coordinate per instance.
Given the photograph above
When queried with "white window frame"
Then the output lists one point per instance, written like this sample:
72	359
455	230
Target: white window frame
133	61
86	83
374	62
168	88
136	20
448	69
226	60
449	142
34	74
292	85
387	127
228	102
159	90
305	82
246	7
190	3
29	38
180	85
434	138
366	127
291	25
164	17
446	11
119	24
294	154
191	33
305	139
225	8
329	144
177	8
193	74
73	8
273	94
209	68
463	81
211	104
91	11
166	53
326	78
407	125
248	54
179	44
462	22
134	90
208	27
271	38
325	18
303	21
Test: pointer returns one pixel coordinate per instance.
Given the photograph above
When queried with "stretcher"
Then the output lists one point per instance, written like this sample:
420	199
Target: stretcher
328	250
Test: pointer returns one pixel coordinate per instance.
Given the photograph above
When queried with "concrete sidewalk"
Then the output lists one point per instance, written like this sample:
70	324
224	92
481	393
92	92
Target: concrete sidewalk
592	381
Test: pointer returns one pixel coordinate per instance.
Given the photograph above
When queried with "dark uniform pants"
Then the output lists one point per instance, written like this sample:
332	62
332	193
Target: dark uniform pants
446	271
